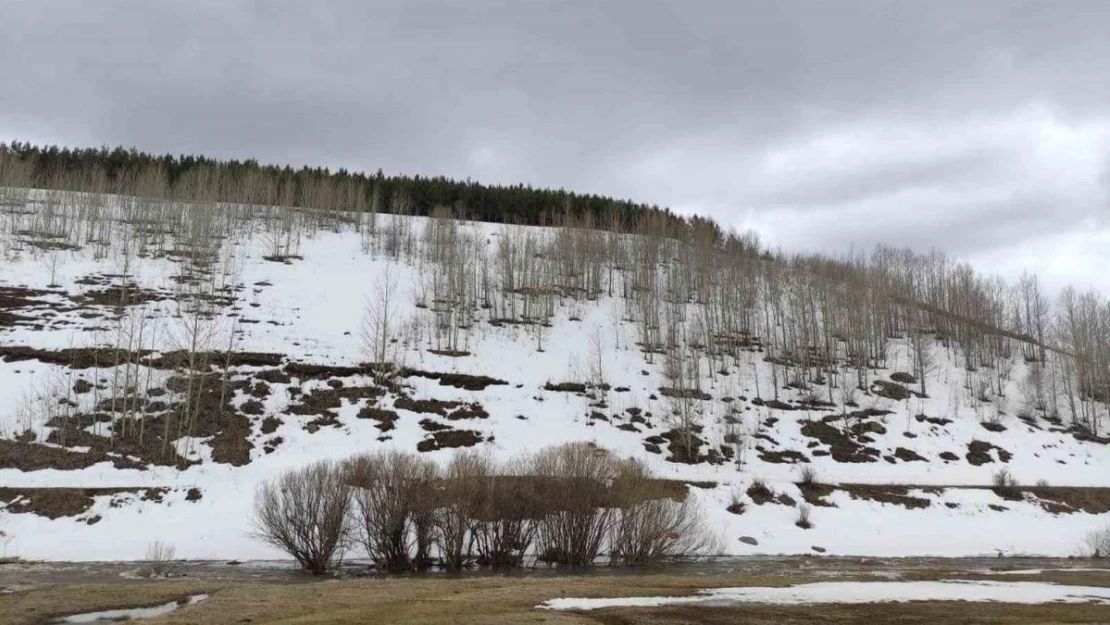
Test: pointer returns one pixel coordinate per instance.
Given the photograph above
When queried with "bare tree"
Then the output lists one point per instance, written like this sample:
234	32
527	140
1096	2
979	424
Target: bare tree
576	478
381	323
389	501
304	512
650	529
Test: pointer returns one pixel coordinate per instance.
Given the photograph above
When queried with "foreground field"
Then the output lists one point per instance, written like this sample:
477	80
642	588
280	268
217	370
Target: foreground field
514	600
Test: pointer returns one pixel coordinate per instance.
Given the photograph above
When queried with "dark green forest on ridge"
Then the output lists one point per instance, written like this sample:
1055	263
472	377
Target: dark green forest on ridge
191	177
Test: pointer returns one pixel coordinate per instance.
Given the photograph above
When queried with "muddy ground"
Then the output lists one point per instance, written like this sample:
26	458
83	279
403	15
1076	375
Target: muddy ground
27	575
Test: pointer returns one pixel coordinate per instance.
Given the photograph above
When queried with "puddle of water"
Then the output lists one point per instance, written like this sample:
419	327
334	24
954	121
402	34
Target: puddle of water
128	614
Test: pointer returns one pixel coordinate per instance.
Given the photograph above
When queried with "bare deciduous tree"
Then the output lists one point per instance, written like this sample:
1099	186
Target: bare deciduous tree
304	512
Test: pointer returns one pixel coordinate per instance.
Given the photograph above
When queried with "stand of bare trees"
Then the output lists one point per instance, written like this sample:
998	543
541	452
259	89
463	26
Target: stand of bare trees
567	505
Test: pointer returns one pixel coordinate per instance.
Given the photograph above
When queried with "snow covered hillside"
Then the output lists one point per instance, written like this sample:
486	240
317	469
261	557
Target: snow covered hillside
160	360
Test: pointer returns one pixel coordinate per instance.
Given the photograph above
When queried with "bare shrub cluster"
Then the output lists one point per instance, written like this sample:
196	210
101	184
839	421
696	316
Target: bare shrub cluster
305	513
567	505
1005	484
1097	543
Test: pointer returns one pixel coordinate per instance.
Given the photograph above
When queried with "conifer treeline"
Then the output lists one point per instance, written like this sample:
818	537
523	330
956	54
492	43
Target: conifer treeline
188	177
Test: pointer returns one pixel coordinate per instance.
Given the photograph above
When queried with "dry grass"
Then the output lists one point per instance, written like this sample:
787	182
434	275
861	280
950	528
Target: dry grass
504	600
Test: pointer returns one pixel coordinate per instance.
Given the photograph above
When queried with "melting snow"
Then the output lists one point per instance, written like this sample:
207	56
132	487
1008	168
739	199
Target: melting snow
129	614
860	592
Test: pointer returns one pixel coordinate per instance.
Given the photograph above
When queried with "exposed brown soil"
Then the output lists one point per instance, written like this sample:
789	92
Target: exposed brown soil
884	493
450	438
978	453
456	380
760	494
908	455
307	371
425	406
685	393
328	420
933	420
271	424
565	387
55	503
891	390
431	425
1069	499
120	295
903	378
815	494
14	299
283	259
274	376
385	418
773	403
843	447
450	353
88	357
74	358
29	456
785	456
205	411
472	410
323	401
686	447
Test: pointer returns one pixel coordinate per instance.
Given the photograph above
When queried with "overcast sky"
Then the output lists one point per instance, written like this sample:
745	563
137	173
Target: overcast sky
978	127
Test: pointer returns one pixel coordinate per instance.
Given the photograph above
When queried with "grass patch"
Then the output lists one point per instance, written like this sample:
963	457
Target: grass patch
505	600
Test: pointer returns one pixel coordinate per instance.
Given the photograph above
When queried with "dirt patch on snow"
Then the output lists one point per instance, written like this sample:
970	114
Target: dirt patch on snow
448	439
784	456
30	456
815	494
761	494
565	387
456	380
885	493
56	503
386	418
1069	499
978	453
323	400
685	393
845	446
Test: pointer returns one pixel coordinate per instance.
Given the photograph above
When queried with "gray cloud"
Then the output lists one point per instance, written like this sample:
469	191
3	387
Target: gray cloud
977	127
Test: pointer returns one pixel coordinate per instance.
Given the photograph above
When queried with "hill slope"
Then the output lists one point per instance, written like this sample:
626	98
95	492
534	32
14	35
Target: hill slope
160	360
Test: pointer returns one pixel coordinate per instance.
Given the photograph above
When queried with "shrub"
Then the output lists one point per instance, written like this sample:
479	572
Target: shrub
650	530
393	506
576	515
304	512
1097	543
159	555
807	475
736	505
509	510
759	492
1004	484
810	398
850	395
465	495
804	521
